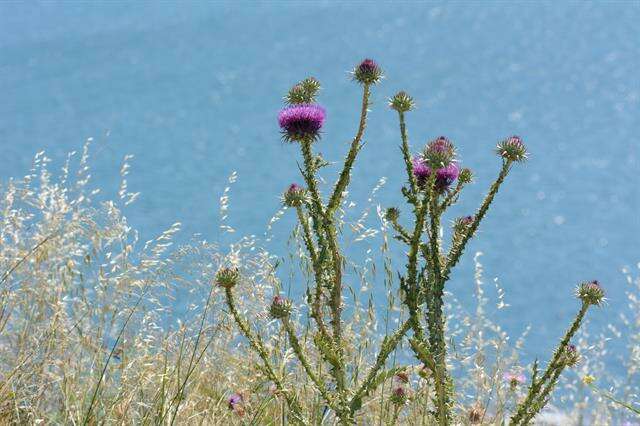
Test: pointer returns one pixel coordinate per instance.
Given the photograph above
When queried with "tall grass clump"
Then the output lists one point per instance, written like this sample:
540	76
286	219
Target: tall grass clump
98	327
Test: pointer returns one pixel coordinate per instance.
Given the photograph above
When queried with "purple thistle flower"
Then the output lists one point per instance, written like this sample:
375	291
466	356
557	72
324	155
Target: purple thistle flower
301	122
514	379
234	400
444	176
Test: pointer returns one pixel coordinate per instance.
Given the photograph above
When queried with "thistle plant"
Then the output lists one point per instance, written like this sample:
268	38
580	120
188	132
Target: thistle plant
434	183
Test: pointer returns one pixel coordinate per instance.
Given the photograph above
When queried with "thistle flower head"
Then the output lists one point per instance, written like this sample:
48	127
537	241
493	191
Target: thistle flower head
301	122
234	400
439	152
445	176
514	379
280	307
392	214
466	175
227	277
463	222
294	196
571	356
512	149
401	102
304	92
590	293
399	396
367	72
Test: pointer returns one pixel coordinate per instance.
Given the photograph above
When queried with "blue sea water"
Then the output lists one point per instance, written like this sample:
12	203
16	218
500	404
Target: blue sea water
192	89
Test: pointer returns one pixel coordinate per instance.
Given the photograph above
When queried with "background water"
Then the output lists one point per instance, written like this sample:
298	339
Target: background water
193	89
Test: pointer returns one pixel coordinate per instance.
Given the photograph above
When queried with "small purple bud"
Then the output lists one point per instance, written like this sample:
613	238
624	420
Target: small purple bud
439	152
571	355
234	400
367	72
512	149
280	307
294	196
590	292
301	122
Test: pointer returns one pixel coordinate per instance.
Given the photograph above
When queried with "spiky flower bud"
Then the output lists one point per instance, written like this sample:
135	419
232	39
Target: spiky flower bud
294	196
439	152
399	396
463	222
301	122
304	92
466	176
280	307
590	293
392	214
227	277
367	72
401	102
512	149
570	357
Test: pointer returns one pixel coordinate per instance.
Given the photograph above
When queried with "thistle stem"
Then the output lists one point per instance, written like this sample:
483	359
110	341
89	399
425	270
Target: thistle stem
257	345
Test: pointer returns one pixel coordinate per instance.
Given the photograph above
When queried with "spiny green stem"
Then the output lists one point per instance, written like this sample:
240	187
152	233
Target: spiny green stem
316	307
297	348
257	345
388	346
457	250
406	154
528	408
343	180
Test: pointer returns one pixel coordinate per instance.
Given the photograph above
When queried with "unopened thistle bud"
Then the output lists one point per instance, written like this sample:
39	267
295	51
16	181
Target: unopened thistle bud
304	92
439	152
301	122
570	357
399	396
463	222
367	72
590	293
512	149
294	196
466	176
392	214
280	307
401	102
227	277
